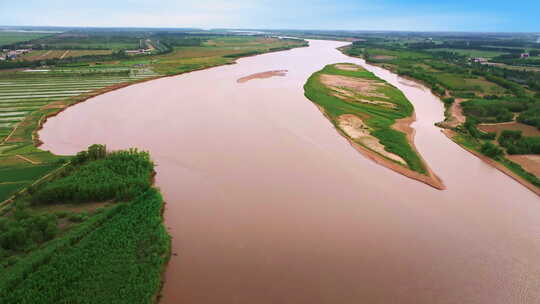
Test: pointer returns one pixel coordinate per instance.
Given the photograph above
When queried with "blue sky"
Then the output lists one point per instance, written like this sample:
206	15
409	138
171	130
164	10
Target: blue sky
417	15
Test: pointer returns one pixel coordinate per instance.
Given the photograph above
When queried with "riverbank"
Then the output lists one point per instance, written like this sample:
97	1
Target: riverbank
454	120
35	136
452	136
373	116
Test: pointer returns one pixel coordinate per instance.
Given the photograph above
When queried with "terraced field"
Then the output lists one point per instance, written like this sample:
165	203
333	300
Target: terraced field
26	98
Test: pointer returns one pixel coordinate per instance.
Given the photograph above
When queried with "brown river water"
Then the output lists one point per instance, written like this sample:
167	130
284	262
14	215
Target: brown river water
267	203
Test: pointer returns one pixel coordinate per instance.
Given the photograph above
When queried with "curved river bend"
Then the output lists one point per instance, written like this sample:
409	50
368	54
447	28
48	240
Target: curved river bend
267	203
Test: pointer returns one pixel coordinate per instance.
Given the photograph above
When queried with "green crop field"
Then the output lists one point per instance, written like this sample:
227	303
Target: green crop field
217	51
7	37
470	53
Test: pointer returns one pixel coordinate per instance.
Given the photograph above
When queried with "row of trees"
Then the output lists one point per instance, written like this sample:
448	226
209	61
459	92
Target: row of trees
531	116
516	143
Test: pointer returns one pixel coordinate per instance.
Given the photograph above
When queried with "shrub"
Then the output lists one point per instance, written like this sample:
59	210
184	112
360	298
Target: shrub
448	101
76	217
488	135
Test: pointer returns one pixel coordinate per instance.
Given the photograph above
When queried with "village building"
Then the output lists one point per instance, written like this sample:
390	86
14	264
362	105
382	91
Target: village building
480	60
12	54
139	51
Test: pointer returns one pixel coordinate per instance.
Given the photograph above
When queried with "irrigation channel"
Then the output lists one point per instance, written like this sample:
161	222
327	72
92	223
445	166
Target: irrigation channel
267	203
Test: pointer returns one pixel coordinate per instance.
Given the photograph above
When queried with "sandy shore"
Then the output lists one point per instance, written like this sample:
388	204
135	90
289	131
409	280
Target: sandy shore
402	125
456	115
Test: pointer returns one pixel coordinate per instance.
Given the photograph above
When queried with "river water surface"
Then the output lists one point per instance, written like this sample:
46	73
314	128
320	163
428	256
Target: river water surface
267	203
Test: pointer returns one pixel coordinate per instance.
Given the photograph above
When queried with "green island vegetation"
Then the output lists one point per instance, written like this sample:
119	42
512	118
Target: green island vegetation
92	233
375	105
500	91
62	69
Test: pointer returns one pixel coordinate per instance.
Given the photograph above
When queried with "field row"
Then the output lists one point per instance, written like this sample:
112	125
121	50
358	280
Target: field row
54	54
33	92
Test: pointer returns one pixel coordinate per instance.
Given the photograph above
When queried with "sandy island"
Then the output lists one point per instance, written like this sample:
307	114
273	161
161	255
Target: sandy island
262	75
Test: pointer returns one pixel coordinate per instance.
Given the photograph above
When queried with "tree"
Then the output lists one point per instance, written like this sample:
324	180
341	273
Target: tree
491	150
96	152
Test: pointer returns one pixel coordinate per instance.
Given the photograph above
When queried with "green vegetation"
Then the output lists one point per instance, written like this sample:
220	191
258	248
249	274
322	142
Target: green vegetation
17	174
120	176
515	143
379	114
491	150
531	116
469	53
114	253
520	171
117	261
10	37
492	110
218	50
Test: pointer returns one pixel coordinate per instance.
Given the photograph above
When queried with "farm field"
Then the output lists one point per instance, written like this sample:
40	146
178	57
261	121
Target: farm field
466	83
514	126
8	37
217	51
93	41
470	53
50	54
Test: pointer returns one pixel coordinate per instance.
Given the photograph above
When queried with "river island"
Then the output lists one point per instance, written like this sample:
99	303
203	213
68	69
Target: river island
373	115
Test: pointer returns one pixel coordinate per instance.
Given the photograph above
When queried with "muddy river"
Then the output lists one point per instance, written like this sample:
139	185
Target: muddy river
267	203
